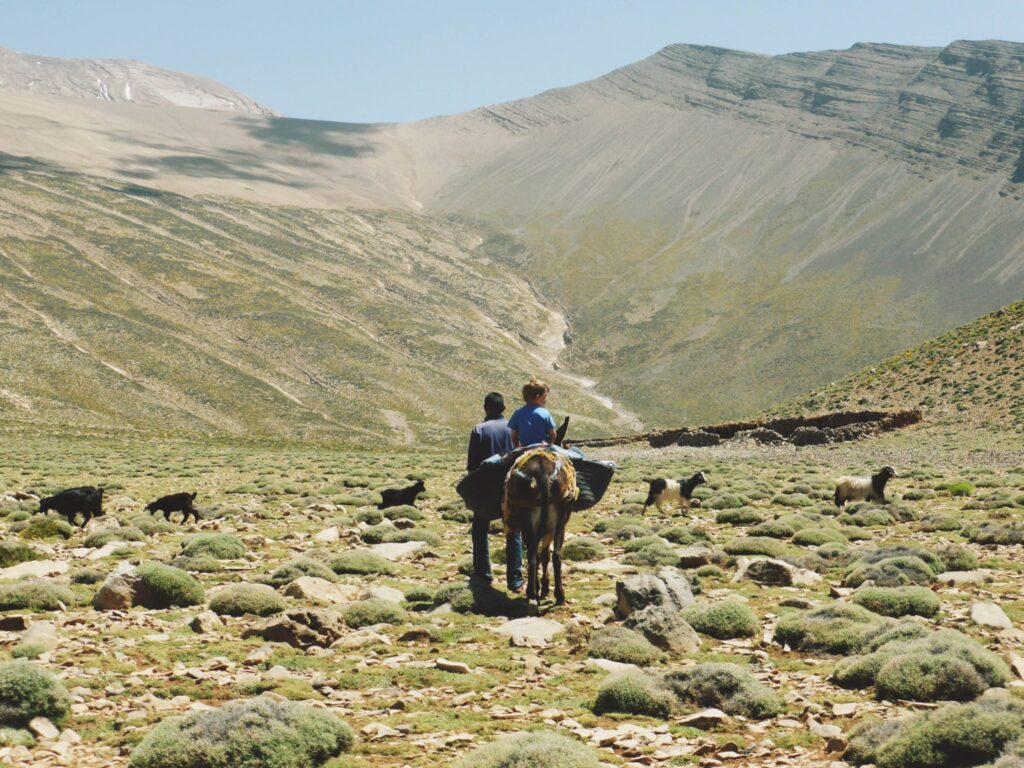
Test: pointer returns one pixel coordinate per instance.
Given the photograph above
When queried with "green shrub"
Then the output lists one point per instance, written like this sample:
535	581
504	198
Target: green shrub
532	749
833	550
258	733
898	601
622	527
457	515
812	537
837	628
893	572
710	572
956	735
370	516
406	511
300	566
996	533
412	534
87	576
634	695
46	527
161	586
910	673
29	651
580	548
722	621
867	517
775	529
150	525
654	554
741	516
939	521
361	562
13	552
99	538
240	599
867	737
375	533
793	500
222	546
28	691
755	545
683	534
726	501
624	645
478	598
198	564
962	488
365	613
728	687
419	595
957	558
34	594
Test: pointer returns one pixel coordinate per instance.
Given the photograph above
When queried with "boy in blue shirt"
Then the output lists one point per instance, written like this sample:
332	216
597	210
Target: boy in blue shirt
492	436
532	423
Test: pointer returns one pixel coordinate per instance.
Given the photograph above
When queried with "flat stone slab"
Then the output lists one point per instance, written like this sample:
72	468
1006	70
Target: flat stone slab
387	594
111	547
531	629
321	591
612	666
990	615
705	719
604	566
38	569
328	534
396	551
957	578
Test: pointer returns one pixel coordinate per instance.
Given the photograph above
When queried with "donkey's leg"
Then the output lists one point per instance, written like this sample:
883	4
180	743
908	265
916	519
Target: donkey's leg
545	553
530	542
556	555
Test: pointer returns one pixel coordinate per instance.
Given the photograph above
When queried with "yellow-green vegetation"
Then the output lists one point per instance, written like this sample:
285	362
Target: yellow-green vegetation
28	691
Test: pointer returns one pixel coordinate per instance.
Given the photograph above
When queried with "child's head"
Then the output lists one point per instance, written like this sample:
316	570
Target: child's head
494	404
534	390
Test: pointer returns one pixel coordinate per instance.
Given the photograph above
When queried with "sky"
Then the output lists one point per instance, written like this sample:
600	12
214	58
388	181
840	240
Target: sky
392	60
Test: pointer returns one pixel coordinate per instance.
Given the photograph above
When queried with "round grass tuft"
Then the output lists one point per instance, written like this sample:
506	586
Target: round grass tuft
531	749
240	599
34	594
361	562
365	613
624	645
581	548
222	546
728	687
633	695
28	691
722	621
898	601
161	586
14	552
258	733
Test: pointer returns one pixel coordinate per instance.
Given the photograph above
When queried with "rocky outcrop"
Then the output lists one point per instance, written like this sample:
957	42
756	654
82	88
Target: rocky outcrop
669	589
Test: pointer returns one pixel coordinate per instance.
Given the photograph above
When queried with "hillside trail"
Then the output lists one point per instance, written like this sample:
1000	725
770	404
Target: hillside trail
549	348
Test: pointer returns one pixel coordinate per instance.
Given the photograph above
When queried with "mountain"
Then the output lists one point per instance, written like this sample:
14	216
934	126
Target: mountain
113	80
973	374
721	230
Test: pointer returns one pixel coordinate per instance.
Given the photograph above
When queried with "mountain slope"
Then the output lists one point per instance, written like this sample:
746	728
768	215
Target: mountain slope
973	374
722	230
114	80
122	308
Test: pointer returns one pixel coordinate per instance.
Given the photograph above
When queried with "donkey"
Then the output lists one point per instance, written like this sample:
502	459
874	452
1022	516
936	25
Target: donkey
539	493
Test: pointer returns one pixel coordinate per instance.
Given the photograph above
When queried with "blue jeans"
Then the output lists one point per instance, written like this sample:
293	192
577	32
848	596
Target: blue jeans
482	554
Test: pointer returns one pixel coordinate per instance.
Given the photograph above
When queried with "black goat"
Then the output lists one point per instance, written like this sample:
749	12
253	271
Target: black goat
395	497
86	499
679	491
174	502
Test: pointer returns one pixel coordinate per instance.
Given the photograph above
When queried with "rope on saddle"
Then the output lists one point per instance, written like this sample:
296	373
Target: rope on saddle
556	464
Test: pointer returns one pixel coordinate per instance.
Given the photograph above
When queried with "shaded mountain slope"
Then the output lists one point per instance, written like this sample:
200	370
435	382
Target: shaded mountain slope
130	309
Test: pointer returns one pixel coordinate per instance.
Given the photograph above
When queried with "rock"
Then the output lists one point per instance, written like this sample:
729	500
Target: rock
361	638
808	436
277	672
603	566
704	720
798	602
1017	665
322	591
844	710
958	578
109	548
117	593
387	594
43	728
777	573
42	633
531	631
990	615
396	551
698	438
824	731
665	628
17	623
300	628
669	589
205	623
416	635
328	535
836	744
612	666
693	557
458	667
38	569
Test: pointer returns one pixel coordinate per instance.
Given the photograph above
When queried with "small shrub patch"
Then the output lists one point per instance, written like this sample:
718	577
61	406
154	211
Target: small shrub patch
728	687
898	601
633	695
722	621
624	645
28	691
240	599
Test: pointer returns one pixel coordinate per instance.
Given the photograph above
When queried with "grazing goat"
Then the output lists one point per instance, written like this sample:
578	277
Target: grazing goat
85	499
174	502
678	491
863	488
539	493
395	497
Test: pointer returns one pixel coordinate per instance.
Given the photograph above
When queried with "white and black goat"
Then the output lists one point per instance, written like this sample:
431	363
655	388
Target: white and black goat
674	491
863	488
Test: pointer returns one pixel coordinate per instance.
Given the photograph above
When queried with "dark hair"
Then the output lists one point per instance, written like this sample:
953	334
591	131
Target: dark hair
494	404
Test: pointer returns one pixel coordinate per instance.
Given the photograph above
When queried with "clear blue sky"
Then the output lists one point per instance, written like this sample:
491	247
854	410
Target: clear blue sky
391	60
